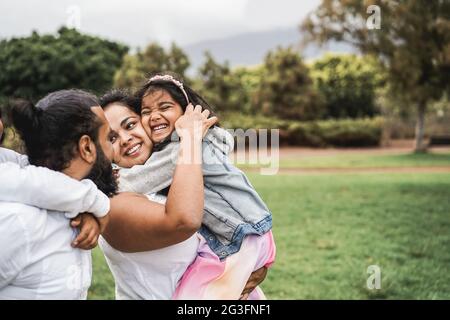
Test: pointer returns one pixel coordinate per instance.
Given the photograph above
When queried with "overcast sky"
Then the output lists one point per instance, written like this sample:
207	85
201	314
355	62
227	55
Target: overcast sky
137	22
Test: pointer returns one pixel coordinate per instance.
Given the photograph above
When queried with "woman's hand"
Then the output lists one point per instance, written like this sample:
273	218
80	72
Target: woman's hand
89	231
194	123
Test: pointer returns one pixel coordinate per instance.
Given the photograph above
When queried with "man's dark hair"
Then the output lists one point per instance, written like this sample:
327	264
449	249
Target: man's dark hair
51	129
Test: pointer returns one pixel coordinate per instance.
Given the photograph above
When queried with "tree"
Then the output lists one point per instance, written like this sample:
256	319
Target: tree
286	89
249	80
348	83
153	59
178	61
413	44
36	65
219	86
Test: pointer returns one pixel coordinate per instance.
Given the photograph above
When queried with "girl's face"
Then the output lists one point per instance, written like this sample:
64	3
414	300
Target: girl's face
159	114
131	144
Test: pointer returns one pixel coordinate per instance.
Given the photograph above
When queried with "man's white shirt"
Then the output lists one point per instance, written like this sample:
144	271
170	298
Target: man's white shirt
36	258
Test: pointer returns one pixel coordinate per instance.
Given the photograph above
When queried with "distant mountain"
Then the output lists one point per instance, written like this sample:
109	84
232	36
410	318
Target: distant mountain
250	48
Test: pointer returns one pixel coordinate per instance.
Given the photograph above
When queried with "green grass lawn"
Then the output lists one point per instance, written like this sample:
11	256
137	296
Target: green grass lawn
330	228
355	160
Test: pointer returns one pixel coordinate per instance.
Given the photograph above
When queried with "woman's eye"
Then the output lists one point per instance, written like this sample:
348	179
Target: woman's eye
113	139
130	125
145	112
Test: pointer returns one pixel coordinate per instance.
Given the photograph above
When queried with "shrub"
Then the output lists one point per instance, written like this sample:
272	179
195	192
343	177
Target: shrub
325	133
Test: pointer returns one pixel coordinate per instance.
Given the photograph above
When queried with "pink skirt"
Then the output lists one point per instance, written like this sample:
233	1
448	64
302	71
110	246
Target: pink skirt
208	278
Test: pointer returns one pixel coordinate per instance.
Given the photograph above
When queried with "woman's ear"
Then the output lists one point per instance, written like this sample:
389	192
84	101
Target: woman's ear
87	149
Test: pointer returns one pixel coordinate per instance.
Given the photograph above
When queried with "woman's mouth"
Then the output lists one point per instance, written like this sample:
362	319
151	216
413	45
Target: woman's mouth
133	151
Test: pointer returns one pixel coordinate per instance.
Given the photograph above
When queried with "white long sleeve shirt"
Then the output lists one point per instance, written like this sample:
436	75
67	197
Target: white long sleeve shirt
36	258
44	188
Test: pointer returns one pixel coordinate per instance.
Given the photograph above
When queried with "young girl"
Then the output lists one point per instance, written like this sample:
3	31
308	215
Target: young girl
236	237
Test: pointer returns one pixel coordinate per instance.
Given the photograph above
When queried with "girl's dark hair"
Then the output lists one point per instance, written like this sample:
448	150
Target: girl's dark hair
51	129
174	91
122	97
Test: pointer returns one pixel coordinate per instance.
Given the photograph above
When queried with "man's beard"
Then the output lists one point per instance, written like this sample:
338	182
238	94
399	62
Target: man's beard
102	174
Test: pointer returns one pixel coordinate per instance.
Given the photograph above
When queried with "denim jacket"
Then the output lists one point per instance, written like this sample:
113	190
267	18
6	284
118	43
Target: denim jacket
232	210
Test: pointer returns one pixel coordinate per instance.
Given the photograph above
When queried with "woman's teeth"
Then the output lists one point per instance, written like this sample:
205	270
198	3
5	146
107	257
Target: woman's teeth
133	150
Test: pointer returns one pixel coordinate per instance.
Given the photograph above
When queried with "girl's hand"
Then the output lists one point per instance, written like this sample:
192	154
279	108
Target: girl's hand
194	123
89	231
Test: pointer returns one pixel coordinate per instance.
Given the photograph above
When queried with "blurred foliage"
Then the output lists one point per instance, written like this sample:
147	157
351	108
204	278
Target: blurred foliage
331	101
348	84
286	89
361	132
413	44
220	86
136	67
340	133
33	66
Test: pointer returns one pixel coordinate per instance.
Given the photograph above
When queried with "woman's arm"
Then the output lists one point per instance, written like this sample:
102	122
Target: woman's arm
138	224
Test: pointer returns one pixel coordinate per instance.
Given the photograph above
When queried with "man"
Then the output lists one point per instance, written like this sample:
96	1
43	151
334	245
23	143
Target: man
66	132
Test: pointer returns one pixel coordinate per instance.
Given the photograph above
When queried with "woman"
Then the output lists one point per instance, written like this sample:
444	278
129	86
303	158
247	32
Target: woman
135	263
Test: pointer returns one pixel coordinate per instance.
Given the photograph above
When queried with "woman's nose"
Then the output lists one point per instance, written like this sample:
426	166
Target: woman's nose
125	137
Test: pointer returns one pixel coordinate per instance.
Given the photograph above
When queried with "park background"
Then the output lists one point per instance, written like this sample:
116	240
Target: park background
358	93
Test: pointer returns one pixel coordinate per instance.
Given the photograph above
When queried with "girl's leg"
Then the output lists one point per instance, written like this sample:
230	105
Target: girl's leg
210	278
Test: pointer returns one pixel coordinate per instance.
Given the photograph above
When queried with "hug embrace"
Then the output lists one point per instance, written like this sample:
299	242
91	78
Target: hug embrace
147	176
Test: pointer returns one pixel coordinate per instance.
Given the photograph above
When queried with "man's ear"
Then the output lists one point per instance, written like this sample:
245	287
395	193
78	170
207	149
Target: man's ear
87	149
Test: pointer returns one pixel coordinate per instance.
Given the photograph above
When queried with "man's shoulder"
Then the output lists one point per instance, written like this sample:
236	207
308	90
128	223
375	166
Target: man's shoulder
16	208
14	211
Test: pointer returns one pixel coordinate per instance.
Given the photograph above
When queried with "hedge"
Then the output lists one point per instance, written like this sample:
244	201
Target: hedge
325	133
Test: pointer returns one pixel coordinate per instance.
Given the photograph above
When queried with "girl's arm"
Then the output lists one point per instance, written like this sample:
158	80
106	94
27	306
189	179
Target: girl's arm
137	224
48	189
157	173
7	155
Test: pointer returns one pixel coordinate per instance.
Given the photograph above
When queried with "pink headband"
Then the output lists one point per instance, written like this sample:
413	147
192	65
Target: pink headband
169	78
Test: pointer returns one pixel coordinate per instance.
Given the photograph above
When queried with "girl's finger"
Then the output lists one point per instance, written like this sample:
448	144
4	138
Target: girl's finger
84	233
198	108
75	223
206	113
86	243
189	109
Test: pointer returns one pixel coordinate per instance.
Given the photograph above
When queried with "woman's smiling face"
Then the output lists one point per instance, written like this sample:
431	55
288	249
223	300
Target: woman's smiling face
159	114
131	144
